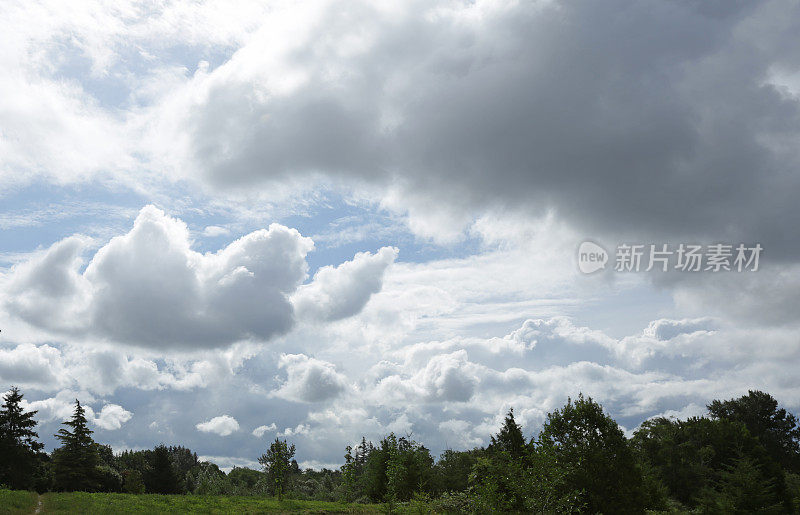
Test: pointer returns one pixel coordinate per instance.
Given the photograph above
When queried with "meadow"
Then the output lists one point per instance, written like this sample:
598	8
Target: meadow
21	502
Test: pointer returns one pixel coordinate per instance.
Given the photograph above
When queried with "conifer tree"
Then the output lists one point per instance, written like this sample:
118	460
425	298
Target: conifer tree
75	463
162	477
19	450
510	438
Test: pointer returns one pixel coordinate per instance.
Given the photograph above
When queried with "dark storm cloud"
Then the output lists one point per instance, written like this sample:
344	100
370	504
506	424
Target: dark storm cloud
653	117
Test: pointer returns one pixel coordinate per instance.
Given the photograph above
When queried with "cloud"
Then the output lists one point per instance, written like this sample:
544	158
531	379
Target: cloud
223	425
48	290
300	430
29	365
445	378
212	231
309	379
112	416
340	292
544	106
664	329
261	430
61	408
149	288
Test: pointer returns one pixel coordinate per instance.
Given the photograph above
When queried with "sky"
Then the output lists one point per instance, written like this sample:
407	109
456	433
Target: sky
227	222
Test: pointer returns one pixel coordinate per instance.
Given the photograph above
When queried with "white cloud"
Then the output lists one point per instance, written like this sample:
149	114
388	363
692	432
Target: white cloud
261	430
61	408
664	329
309	379
223	425
445	378
28	365
112	416
300	430
150	288
342	291
212	231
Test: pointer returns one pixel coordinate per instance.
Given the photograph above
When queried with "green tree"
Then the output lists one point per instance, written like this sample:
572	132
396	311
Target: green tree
277	463
408	469
353	470
451	472
132	482
741	488
691	457
374	479
75	463
244	479
591	447
162	476
775	428
19	449
510	438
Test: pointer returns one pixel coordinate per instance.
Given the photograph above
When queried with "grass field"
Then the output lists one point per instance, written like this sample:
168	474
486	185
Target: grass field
15	502
18	502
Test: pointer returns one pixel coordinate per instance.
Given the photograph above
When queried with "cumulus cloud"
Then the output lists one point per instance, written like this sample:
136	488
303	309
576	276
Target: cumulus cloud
342	291
62	406
212	231
261	430
102	371
445	378
309	379
29	365
149	288
223	425
112	416
664	329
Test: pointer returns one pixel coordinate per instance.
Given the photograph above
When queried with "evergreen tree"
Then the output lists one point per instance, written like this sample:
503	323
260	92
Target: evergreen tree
775	428
510	438
408	470
19	450
162	477
741	488
75	463
277	463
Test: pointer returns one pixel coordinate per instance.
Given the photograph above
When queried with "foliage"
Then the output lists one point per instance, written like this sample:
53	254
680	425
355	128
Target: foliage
597	459
774	427
455	502
527	479
132	482
19	450
162	475
741	488
408	469
510	439
277	463
451	472
76	462
740	460
691	457
393	471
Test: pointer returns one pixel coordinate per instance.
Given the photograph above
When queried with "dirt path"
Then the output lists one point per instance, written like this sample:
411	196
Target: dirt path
38	504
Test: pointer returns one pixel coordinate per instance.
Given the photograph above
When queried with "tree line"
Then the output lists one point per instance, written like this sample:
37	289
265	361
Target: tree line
743	456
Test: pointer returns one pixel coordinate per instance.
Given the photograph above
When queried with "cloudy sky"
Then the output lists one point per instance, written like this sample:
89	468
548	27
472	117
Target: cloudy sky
222	222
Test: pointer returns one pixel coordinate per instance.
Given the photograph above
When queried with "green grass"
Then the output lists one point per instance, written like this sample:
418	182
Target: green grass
15	502
96	503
